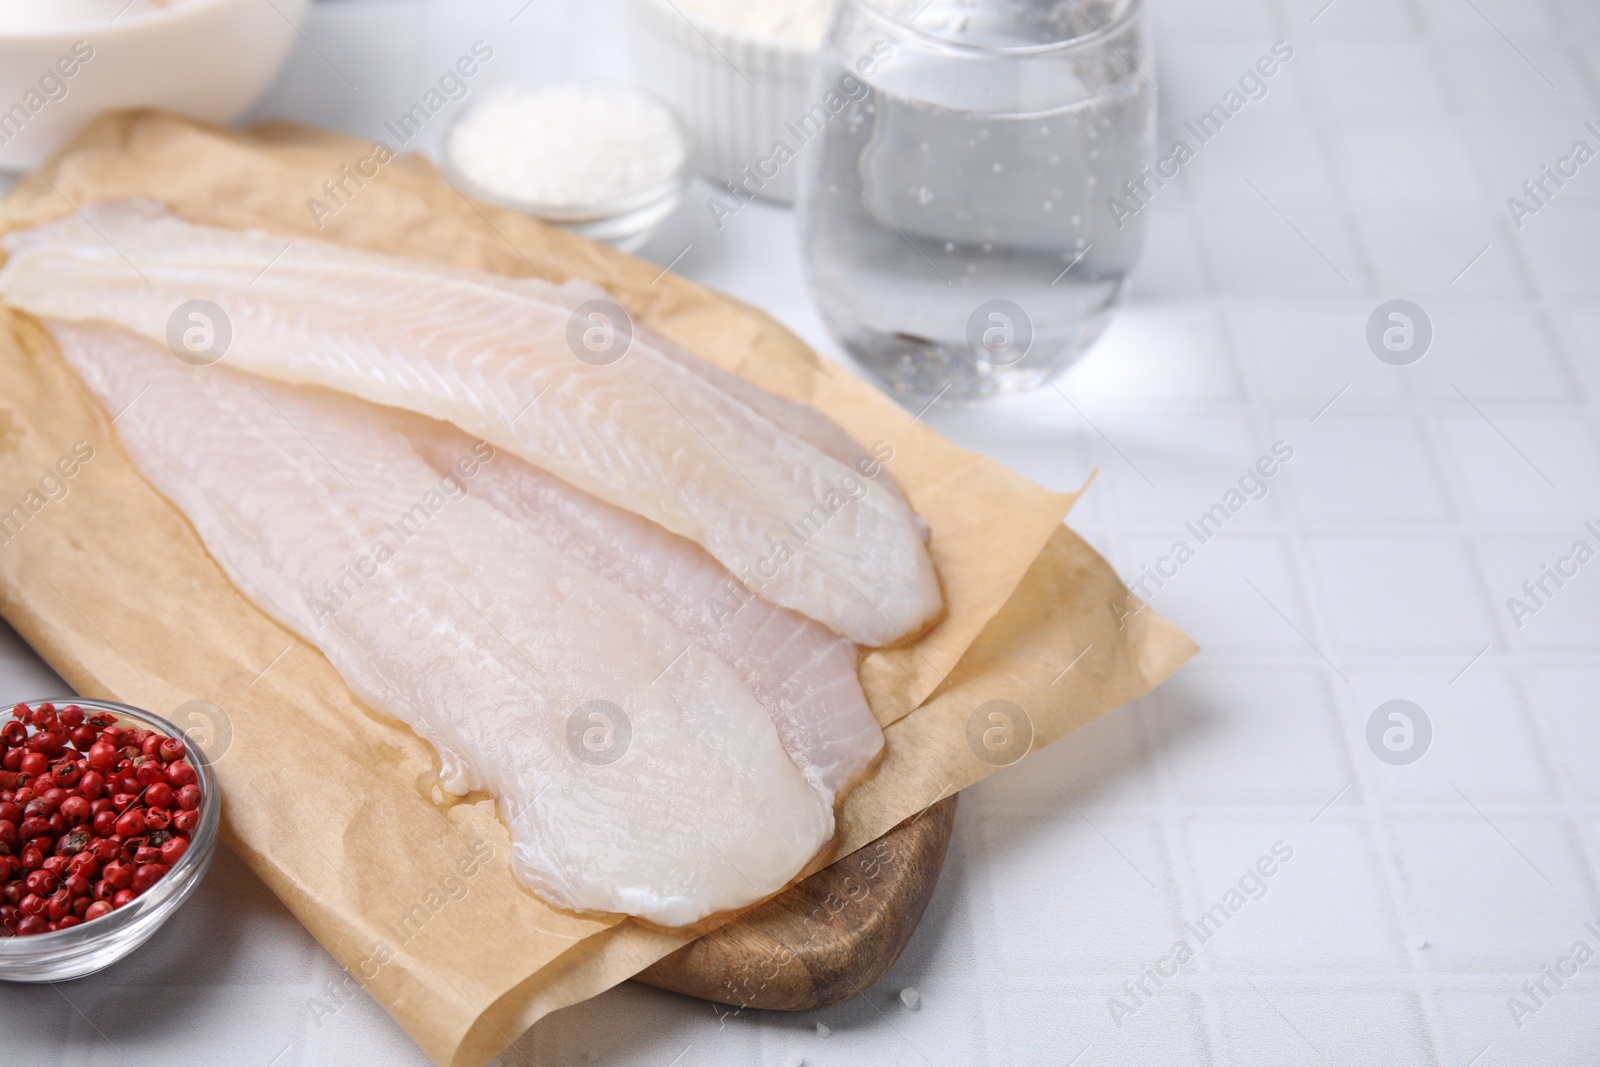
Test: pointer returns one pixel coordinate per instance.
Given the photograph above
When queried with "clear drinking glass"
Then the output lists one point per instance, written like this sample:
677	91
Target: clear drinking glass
956	187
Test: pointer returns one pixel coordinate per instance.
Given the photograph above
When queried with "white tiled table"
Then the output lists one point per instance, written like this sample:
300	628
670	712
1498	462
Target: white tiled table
1419	898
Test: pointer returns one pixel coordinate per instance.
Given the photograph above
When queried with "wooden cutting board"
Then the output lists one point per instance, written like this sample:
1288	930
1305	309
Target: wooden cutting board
829	937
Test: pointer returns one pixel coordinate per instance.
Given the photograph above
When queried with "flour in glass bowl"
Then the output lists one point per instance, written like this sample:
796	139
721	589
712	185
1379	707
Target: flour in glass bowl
568	146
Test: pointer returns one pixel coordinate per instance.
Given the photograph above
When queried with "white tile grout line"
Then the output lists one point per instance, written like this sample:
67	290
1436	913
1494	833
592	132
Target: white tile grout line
1179	815
1175	902
1185	894
985	928
1571	366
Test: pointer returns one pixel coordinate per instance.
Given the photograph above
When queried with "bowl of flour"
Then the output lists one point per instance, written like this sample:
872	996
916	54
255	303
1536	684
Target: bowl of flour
739	72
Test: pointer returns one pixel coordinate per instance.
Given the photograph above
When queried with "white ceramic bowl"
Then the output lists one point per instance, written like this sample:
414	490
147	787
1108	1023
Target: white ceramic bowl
208	59
701	68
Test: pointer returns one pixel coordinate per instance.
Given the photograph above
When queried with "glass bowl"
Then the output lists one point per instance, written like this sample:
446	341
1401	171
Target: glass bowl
625	222
95	945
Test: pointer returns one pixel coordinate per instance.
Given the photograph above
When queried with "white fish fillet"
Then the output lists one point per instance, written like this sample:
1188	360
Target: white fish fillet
803	674
478	634
644	433
802	420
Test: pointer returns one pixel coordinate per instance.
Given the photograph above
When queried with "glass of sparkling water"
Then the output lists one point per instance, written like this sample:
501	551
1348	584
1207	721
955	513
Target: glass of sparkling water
961	168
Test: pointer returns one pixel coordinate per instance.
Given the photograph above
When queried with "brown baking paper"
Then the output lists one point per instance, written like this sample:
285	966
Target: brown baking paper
335	808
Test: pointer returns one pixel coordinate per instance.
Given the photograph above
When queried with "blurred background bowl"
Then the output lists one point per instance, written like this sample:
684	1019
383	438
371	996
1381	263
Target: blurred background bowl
734	90
208	59
625	222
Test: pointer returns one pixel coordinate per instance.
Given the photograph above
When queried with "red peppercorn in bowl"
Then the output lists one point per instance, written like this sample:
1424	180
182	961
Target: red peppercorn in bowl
108	820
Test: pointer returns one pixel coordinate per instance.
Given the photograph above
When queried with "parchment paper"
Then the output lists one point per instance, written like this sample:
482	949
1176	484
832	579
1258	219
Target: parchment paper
335	808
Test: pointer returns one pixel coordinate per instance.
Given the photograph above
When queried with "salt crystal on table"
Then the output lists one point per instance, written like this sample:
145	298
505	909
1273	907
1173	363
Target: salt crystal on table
794	1060
822	1030
911	998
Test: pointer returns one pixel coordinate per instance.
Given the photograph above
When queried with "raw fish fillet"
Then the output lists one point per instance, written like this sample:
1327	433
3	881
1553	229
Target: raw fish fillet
803	674
802	420
443	612
644	433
